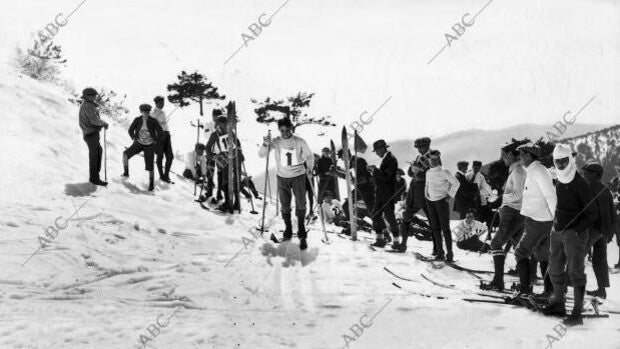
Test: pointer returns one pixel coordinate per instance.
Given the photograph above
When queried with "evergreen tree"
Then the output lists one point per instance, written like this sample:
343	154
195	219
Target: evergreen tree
192	87
293	108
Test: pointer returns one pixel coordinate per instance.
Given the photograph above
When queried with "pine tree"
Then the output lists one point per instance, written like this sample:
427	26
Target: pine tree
42	61
192	87
292	108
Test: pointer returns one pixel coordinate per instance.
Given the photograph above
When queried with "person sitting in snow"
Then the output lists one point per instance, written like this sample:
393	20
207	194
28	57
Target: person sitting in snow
468	231
332	209
145	133
196	163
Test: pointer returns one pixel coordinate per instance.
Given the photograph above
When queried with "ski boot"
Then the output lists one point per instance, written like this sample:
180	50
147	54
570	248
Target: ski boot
380	242
440	257
450	257
493	285
303	245
99	182
575	317
600	293
126	172
555	308
288	230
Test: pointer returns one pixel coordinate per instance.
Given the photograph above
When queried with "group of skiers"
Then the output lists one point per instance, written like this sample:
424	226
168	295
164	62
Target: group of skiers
149	133
553	221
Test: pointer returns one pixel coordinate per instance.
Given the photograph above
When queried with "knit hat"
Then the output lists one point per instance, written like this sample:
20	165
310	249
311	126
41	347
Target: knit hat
476	163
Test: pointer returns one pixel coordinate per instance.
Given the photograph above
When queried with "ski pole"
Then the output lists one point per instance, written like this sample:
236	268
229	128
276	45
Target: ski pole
262	224
105	156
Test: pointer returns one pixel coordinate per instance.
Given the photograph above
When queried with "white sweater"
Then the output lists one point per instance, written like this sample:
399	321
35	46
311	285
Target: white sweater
440	183
291	155
539	197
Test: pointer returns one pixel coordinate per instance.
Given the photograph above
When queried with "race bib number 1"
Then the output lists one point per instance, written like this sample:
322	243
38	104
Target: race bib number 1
224	142
289	157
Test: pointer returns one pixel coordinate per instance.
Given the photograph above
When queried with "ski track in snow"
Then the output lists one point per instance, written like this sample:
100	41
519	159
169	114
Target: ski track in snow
130	256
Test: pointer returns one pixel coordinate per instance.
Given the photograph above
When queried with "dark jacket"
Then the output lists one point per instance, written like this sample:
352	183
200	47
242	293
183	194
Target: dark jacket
576	208
152	125
385	178
323	165
467	195
221	155
363	175
606	211
90	122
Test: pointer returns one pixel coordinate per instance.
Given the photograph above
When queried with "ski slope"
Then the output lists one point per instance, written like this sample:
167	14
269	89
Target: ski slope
129	259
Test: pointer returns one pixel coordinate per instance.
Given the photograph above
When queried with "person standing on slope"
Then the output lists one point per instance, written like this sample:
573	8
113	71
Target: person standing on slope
218	146
385	190
575	213
323	168
91	124
485	190
145	133
538	209
415	195
294	160
510	218
602	231
440	186
468	193
164	148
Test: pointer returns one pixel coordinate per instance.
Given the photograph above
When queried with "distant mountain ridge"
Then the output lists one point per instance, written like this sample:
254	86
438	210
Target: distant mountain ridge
601	146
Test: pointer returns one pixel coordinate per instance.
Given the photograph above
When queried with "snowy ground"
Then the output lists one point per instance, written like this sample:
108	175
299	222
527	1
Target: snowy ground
129	259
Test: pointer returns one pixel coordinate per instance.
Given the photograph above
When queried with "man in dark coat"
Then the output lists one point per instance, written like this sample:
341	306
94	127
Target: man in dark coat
602	231
145	133
415	195
385	184
576	212
322	169
91	124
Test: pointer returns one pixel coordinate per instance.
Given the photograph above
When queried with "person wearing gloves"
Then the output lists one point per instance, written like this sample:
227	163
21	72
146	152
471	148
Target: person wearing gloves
576	212
91	124
294	160
602	231
467	233
538	209
440	186
145	133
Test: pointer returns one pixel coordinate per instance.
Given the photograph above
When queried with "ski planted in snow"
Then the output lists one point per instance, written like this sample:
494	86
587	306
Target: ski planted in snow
335	178
347	171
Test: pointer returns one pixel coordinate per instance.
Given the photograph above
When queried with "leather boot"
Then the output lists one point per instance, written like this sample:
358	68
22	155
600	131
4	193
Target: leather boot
548	290
288	230
575	317
523	269
151	181
498	279
126	172
557	303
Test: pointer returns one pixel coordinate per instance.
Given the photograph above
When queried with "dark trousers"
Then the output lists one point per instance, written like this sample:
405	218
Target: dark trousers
439	217
567	256
471	244
534	240
149	153
510	229
164	150
367	193
223	179
382	212
326	183
598	242
95	153
287	187
310	191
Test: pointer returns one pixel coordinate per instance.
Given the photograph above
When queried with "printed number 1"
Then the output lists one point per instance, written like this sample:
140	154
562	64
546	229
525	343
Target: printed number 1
289	159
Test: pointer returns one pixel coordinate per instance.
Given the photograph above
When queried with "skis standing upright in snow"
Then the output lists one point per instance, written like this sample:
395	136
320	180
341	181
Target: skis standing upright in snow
335	162
347	171
232	153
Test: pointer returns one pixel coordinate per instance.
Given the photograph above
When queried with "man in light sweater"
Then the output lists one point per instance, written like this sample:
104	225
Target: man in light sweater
511	220
538	208
440	186
164	148
91	124
294	161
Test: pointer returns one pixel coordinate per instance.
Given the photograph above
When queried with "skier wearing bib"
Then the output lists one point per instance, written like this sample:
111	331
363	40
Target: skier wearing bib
218	147
294	160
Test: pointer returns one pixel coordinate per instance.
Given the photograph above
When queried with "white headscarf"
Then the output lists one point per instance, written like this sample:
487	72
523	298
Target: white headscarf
568	174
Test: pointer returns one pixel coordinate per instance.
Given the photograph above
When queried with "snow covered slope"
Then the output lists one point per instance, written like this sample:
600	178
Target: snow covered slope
128	260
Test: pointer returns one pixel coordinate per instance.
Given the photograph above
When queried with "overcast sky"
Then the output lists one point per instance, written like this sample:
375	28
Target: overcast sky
521	61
